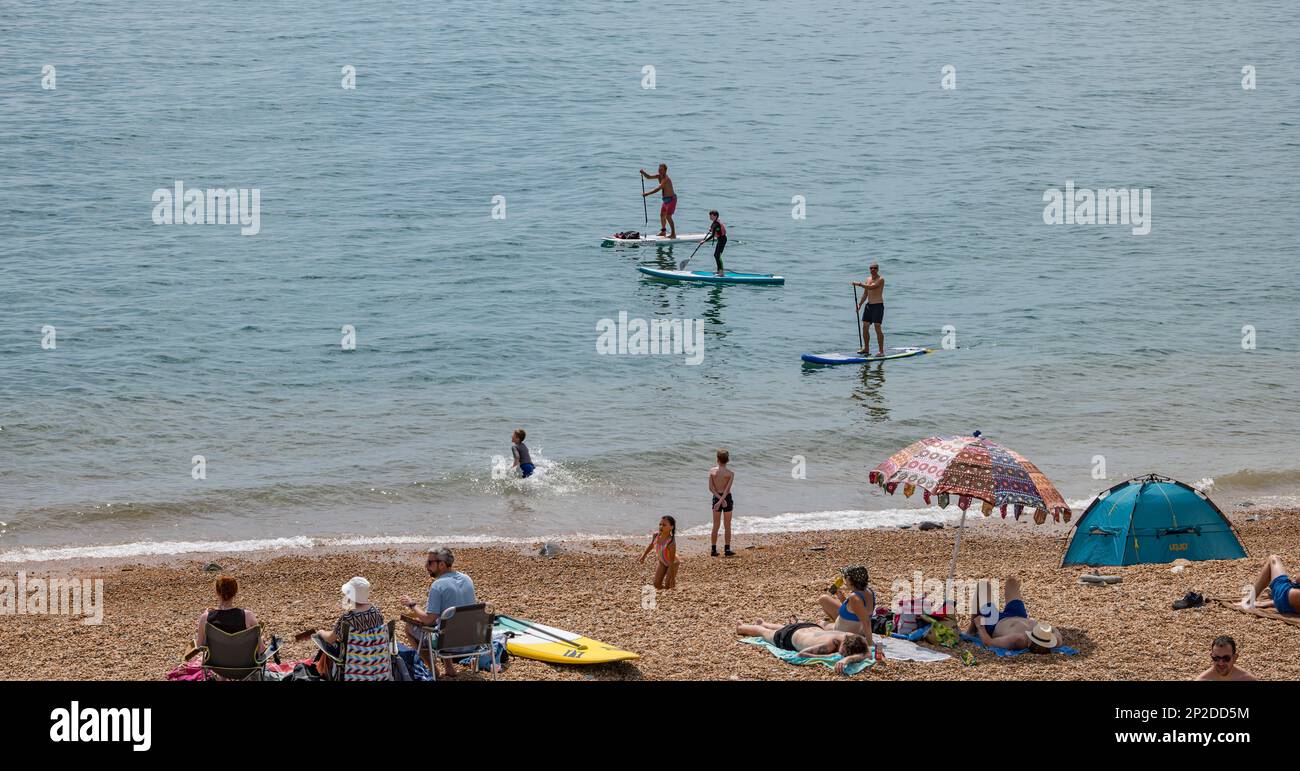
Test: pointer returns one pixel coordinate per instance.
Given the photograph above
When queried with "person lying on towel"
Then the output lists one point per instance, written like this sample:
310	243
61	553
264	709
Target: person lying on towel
1012	628
1274	589
810	640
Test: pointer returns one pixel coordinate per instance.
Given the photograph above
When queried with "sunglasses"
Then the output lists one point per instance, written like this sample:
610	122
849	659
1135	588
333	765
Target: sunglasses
1221	659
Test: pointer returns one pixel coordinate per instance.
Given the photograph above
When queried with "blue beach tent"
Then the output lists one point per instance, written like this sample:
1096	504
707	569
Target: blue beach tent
1151	519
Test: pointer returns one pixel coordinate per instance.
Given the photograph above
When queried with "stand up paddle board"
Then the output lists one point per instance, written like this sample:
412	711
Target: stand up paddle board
531	640
857	358
682	238
712	277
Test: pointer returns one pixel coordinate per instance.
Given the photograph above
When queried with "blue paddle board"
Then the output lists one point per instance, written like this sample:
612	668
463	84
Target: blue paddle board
712	277
857	358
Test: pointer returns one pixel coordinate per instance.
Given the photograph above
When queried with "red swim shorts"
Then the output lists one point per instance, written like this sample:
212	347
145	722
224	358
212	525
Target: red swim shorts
669	206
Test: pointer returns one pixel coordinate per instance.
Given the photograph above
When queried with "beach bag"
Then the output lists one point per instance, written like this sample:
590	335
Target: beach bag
498	658
941	632
882	621
908	612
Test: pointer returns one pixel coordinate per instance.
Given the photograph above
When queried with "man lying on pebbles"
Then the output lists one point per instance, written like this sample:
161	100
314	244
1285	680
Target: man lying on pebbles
810	640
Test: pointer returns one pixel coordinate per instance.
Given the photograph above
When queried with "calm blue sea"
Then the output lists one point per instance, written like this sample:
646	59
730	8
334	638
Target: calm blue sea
376	211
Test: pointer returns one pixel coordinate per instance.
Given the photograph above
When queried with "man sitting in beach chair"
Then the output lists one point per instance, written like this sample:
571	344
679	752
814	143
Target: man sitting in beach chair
1012	628
810	640
1274	589
450	589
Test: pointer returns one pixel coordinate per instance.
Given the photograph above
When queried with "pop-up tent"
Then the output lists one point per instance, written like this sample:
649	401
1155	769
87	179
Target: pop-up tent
1152	519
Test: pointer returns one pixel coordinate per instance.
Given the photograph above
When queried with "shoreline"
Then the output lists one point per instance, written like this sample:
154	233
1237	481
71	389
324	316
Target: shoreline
596	588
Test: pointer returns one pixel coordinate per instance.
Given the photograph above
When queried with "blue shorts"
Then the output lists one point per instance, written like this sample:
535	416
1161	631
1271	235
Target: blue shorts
1014	609
526	469
1279	588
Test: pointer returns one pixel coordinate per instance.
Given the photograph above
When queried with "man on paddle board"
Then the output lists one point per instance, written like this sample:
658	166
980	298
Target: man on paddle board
669	204
873	298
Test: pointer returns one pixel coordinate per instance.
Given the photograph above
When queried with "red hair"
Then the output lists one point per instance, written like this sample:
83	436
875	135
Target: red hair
227	588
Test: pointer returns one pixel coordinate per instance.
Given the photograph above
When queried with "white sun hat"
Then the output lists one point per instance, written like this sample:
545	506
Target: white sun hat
356	590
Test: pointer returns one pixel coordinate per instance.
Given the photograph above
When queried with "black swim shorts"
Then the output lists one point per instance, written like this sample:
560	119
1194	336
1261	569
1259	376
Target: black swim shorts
784	637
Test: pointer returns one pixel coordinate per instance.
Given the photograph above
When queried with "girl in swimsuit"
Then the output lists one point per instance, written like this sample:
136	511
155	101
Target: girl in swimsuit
665	544
850	612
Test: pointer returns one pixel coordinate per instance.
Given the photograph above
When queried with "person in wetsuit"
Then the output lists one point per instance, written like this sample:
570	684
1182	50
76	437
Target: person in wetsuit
718	233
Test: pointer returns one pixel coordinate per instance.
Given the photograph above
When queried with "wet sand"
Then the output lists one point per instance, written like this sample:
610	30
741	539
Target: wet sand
1124	632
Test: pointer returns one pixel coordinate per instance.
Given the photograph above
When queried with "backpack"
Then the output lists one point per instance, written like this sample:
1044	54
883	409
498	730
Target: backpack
631	235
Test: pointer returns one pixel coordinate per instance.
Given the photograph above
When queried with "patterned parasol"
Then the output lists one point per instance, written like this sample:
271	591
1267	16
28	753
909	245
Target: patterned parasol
971	468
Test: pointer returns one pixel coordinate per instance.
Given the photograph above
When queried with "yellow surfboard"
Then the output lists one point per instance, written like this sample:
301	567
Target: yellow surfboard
531	640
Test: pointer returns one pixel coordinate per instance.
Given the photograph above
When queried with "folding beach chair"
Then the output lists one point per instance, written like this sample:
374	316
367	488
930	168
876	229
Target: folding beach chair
363	655
461	632
232	656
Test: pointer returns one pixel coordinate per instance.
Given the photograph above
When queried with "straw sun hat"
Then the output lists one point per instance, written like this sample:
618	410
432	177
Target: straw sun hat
1043	635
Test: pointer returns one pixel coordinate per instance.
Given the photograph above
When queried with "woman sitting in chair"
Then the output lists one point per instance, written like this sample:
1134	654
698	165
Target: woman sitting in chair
358	614
225	616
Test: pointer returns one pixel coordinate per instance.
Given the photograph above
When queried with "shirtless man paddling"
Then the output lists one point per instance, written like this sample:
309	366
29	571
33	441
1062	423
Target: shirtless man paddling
669	204
874	312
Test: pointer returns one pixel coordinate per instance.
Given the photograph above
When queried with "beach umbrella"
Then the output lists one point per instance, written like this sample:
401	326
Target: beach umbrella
969	469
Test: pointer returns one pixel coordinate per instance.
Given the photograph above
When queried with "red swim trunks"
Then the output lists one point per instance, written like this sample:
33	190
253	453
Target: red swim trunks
669	205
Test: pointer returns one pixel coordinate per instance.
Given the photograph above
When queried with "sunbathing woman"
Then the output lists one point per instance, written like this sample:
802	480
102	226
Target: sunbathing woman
1275	589
810	640
851	612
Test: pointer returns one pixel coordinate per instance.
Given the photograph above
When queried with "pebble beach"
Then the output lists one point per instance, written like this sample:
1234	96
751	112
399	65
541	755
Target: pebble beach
1127	631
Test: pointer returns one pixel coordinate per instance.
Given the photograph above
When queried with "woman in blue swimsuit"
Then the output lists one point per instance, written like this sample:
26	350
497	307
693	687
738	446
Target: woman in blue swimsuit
850	611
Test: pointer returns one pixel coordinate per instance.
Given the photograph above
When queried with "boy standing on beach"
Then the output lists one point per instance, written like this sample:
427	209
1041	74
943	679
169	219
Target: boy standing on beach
523	461
720	479
874	313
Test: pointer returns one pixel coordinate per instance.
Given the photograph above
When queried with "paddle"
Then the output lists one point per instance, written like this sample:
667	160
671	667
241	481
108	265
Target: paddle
697	248
861	344
644	207
539	630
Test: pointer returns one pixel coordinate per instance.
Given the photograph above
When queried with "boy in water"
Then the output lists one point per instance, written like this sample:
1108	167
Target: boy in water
720	479
523	461
669	205
718	232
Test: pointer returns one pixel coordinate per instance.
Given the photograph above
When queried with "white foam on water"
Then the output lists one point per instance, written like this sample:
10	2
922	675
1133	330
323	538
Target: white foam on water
794	522
849	519
153	548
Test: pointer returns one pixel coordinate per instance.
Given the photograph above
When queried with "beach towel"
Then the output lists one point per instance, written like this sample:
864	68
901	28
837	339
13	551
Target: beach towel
792	657
900	649
1067	650
1260	612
